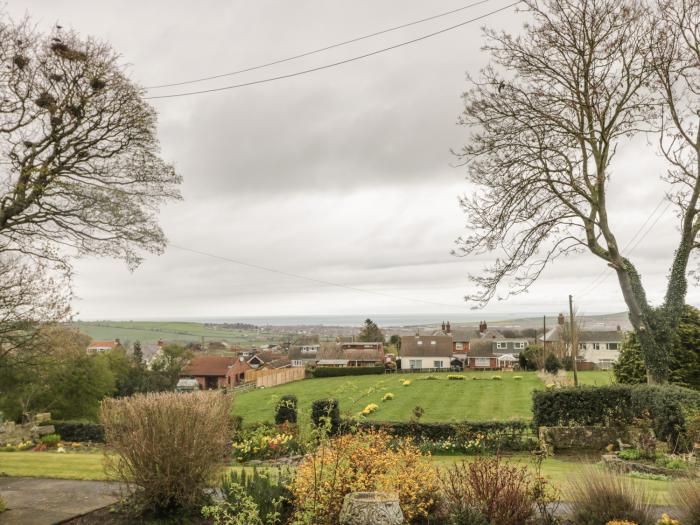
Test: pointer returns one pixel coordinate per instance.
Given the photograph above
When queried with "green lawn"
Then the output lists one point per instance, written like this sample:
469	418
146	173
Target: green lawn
81	465
85	465
442	399
594	378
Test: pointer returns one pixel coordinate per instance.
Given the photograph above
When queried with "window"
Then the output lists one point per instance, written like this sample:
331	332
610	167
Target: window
415	364
613	346
582	346
433	342
482	362
437	364
459	346
596	346
501	346
520	345
419	342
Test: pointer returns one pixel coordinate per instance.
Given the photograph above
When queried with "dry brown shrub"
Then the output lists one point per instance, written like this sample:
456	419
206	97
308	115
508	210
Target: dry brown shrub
499	492
167	446
599	497
686	498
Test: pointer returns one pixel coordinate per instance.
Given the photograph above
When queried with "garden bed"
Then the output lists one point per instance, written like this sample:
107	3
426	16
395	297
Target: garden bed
625	466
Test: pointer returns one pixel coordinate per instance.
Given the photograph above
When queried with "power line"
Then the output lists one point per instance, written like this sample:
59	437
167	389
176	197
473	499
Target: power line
319	50
311	279
605	275
335	64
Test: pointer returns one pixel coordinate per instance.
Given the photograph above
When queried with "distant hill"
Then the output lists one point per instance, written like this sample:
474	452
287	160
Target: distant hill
589	322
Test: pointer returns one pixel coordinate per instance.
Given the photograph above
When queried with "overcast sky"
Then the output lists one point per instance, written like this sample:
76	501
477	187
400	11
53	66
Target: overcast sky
343	175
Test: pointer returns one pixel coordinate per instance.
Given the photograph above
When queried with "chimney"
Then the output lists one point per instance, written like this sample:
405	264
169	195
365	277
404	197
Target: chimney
118	342
443	326
160	343
482	326
561	319
619	328
449	330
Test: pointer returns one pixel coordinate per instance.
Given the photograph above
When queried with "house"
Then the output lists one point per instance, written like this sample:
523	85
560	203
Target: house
95	347
421	352
351	354
215	371
462	337
303	355
509	346
268	359
600	348
481	356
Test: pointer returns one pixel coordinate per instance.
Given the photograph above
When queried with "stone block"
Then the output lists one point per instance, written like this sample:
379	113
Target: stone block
371	508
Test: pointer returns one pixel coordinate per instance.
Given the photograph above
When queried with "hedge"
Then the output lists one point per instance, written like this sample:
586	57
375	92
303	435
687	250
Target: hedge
286	411
327	371
619	405
496	435
79	431
323	410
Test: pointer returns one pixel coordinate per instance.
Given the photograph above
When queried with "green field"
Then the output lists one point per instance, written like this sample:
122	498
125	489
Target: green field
595	378
150	332
442	400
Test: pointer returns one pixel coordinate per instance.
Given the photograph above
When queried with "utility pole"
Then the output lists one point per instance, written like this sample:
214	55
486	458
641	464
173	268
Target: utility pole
544	339
573	338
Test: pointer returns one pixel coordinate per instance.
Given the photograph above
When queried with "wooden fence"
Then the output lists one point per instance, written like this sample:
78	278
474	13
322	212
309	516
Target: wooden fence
274	377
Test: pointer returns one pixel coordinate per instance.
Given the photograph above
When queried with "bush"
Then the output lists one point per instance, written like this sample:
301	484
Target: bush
50	440
286	410
619	405
325	414
264	442
686	498
552	364
362	462
257	499
487	490
599	497
79	431
492	435
167	446
327	371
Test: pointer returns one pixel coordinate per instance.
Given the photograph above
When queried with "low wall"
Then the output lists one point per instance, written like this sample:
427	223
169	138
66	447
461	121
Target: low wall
13	434
586	438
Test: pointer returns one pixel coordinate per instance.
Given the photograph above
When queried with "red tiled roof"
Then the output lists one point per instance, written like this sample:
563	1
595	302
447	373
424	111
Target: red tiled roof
209	365
100	344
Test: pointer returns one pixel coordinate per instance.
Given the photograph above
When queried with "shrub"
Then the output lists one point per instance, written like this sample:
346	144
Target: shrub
362	462
686	498
492	435
388	396
286	410
167	446
264	442
257	499
50	440
369	409
552	364
599	497
79	431
325	414
327	371
489	489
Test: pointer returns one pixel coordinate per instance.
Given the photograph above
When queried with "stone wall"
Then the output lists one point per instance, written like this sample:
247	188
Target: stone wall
582	438
14	434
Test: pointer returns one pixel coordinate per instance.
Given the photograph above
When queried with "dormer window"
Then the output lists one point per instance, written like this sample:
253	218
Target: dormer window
419	342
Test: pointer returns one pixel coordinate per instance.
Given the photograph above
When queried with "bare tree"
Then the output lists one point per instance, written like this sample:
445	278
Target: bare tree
80	170
548	117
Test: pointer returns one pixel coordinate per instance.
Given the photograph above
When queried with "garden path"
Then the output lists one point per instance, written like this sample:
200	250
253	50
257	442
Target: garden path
40	501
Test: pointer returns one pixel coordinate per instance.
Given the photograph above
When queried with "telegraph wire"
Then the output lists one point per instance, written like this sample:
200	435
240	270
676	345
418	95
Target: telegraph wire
311	279
335	64
319	50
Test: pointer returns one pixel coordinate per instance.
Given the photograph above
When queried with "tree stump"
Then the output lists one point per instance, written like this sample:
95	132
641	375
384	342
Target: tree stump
371	508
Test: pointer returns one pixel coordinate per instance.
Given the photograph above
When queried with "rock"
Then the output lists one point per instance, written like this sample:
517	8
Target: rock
42	417
371	508
43	430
